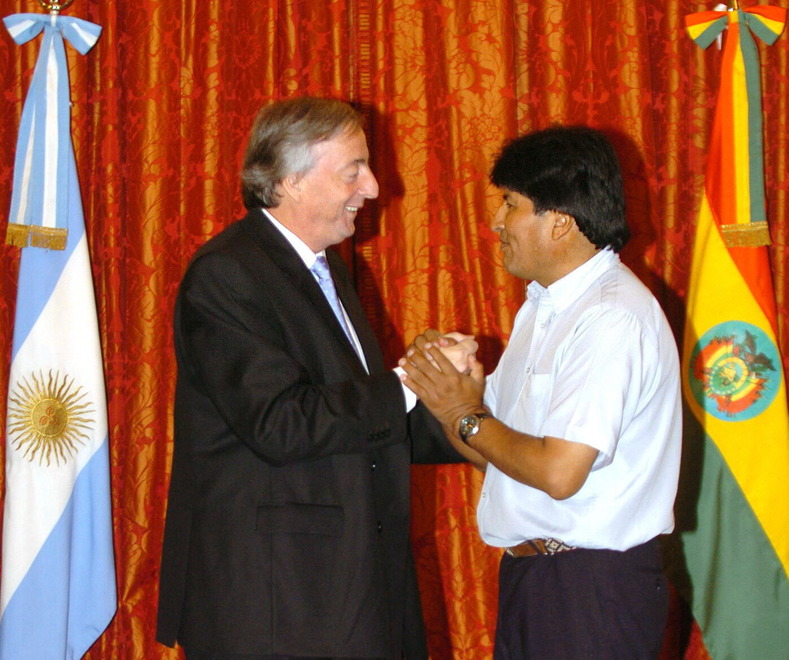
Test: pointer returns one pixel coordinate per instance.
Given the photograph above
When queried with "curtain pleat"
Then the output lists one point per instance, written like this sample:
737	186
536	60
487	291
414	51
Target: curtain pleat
161	110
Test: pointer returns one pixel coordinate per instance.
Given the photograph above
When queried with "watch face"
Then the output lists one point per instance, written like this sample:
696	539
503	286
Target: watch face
467	425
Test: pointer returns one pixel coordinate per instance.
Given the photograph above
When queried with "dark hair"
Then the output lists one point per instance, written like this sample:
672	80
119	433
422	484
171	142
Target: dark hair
281	141
572	170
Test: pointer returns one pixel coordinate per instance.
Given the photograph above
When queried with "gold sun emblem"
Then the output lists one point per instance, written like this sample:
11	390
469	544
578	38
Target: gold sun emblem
48	417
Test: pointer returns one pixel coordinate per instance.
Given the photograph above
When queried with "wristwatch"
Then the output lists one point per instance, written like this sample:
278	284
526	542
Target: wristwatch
470	424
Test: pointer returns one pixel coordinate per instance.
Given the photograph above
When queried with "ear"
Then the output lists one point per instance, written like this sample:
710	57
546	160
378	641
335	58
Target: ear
562	225
290	186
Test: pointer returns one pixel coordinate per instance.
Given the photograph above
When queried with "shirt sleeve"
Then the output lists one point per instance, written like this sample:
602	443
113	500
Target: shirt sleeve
597	378
410	397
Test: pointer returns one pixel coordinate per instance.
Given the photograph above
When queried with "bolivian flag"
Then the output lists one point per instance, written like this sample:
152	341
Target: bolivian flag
737	549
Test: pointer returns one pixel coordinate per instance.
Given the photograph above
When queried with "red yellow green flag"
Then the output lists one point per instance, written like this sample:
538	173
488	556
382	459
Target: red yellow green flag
737	550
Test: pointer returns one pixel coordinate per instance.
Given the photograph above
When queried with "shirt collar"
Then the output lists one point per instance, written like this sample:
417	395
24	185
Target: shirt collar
569	288
302	249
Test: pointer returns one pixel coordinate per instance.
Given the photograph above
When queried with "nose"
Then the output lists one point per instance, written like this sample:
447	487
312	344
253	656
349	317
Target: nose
369	184
497	222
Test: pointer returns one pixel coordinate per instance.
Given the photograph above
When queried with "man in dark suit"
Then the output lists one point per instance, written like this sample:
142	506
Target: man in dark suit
287	531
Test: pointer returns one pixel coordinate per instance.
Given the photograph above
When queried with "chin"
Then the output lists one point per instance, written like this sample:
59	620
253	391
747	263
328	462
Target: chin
515	271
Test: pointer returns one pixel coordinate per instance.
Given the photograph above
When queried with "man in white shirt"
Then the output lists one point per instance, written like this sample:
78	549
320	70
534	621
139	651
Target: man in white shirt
579	427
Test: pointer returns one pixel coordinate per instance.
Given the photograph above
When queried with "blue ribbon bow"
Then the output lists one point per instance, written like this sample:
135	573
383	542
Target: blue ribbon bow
46	190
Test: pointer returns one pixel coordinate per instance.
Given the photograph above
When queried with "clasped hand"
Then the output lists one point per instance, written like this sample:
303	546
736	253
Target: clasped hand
442	370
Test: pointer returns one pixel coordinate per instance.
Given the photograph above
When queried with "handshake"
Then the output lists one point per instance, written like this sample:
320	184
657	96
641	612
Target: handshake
458	348
444	373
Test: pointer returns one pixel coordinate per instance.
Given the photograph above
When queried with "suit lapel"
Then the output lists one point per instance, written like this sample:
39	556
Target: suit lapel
288	260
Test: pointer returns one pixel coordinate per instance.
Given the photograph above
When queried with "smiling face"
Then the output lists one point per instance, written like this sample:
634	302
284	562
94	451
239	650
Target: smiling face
526	243
334	189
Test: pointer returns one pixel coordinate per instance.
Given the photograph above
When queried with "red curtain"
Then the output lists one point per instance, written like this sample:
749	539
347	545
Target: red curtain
161	110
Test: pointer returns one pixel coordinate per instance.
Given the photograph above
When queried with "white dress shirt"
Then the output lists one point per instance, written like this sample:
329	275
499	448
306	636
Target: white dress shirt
593	360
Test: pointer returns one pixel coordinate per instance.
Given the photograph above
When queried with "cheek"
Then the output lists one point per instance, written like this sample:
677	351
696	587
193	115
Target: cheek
340	195
516	235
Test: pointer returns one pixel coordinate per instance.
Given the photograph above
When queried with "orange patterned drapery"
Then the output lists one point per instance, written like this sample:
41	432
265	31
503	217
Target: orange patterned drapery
161	109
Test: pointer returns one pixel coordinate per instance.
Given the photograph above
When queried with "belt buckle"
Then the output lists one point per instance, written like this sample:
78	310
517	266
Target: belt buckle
552	546
534	547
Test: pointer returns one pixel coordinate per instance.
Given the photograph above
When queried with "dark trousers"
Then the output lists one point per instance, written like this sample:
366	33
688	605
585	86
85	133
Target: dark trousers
582	604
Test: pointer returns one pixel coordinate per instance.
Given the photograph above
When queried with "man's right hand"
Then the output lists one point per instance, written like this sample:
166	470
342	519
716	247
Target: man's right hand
457	347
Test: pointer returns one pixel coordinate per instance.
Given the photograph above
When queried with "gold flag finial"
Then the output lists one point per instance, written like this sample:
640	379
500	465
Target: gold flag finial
55	6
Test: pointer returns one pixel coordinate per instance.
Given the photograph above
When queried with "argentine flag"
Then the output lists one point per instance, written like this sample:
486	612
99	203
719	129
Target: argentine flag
57	590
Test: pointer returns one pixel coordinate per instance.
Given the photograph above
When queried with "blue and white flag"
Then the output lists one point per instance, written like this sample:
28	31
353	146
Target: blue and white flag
57	592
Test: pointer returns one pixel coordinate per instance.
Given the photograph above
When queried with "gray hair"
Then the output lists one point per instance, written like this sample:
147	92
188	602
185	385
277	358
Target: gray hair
281	141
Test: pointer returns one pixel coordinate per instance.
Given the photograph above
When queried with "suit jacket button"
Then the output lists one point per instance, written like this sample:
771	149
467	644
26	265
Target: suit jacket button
380	528
374	465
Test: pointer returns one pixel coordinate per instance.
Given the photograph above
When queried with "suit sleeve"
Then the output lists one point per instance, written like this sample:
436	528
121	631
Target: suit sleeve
429	444
254	356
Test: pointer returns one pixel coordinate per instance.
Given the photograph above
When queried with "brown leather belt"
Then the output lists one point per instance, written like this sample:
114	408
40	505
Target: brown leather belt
539	547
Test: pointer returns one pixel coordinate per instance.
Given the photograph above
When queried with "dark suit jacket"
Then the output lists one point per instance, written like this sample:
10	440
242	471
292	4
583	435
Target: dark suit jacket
287	526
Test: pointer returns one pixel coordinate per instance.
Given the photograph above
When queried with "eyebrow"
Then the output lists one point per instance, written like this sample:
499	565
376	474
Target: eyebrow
356	162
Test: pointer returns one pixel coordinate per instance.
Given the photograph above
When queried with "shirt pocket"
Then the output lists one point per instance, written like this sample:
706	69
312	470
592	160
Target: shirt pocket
531	406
